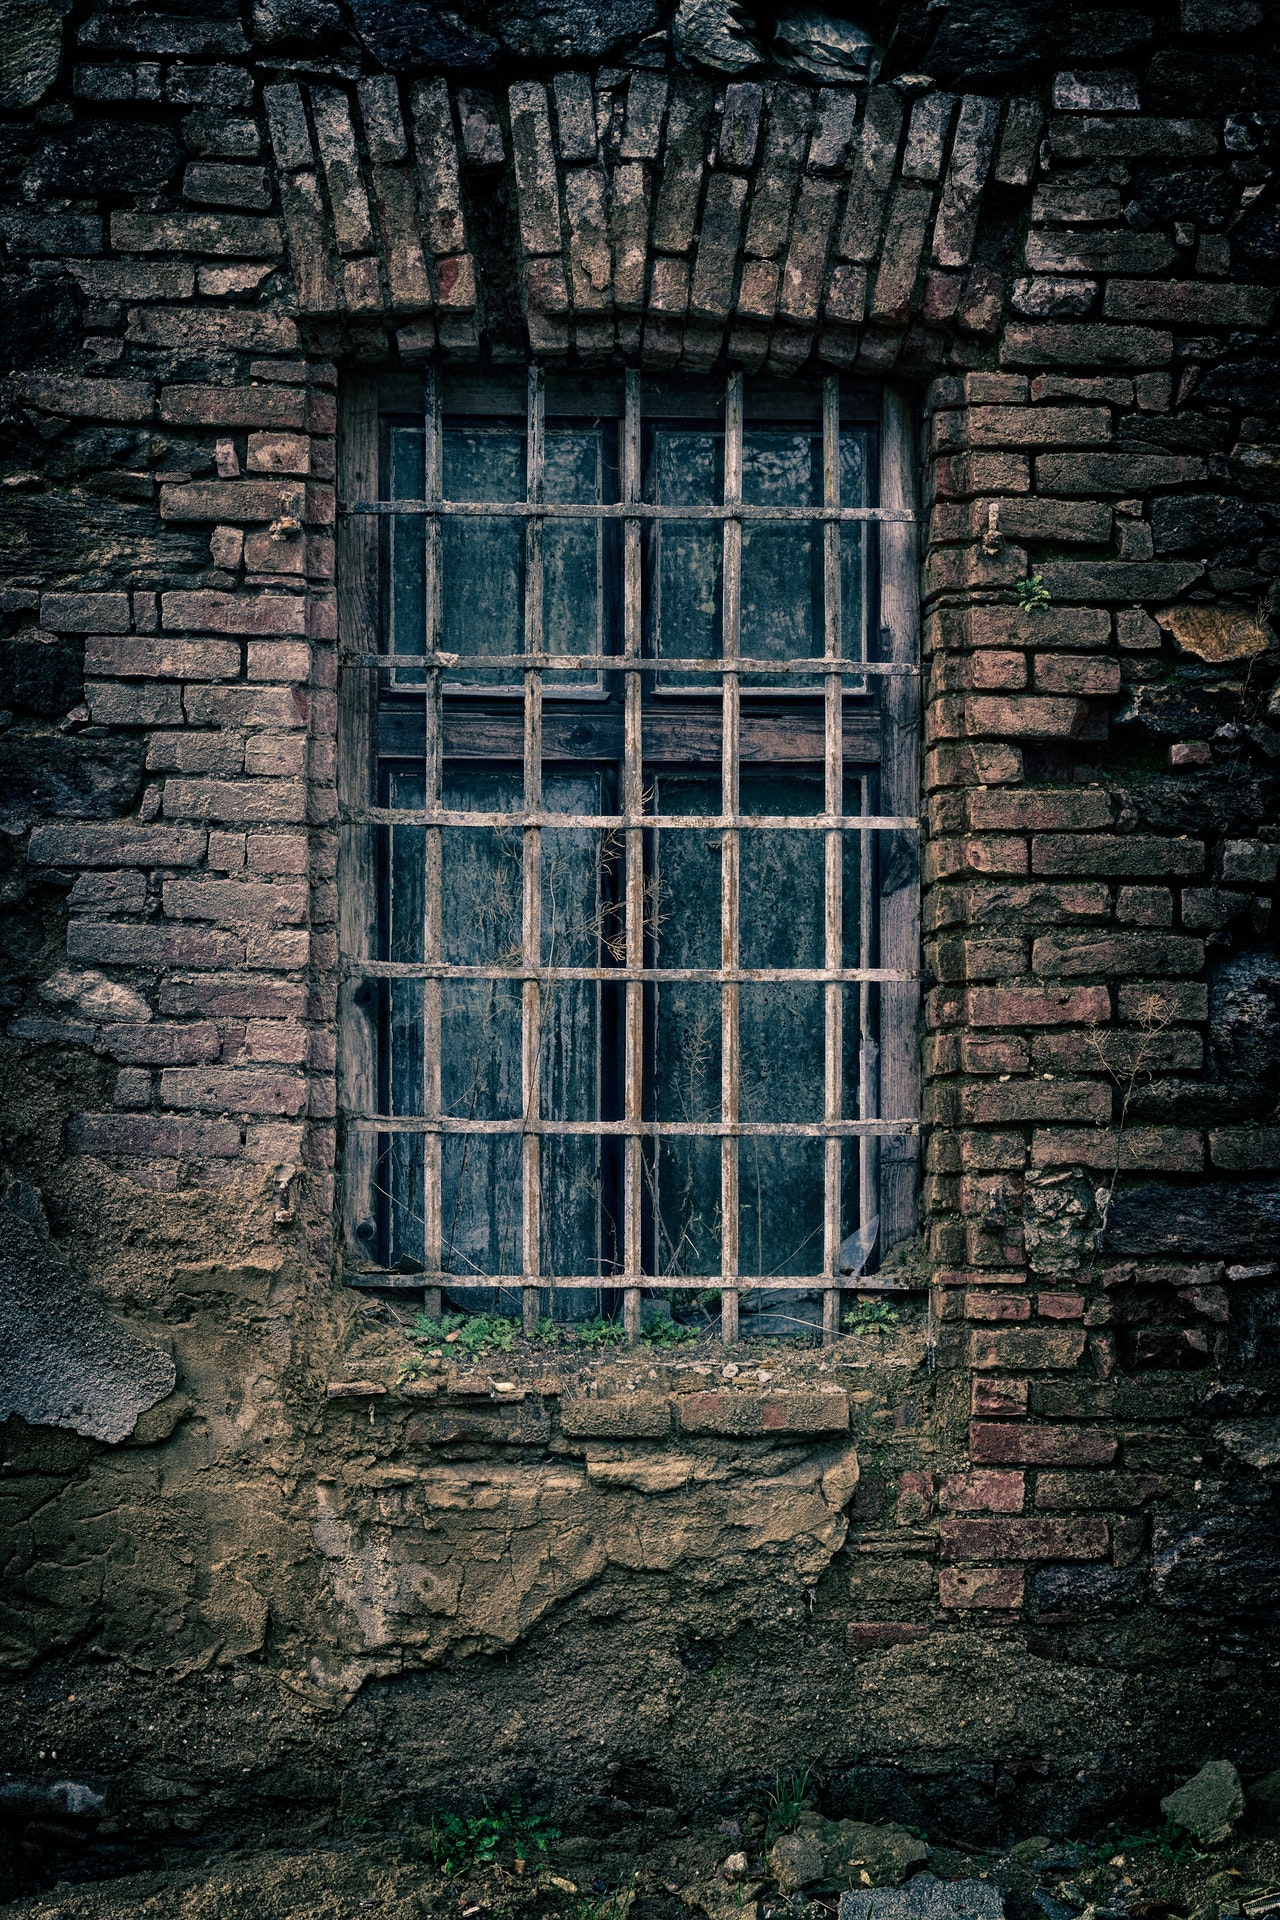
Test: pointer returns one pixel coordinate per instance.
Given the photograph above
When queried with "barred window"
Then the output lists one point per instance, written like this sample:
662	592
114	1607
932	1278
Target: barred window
629	882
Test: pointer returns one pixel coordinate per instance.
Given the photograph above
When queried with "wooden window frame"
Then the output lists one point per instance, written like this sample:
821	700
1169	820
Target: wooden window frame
888	1143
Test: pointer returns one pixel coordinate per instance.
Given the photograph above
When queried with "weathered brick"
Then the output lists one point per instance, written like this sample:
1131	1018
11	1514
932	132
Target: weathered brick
1245	1149
1163	1000
86	399
1112	580
1060	1306
242	706
107	895
137	657
870	175
219	183
944	858
1123	473
84	612
200	86
1029	1538
240	406
960	475
1087	676
1019	1444
1064	956
123	945
1093	1492
1167	1149
1139	137
246	236
120	844
237	902
1020	1102
113	705
1188	303
55	235
983	1492
1088	521
162	1044
910	208
232	996
1120	251
1002	1399
971	151
711	294
348	201
995	1307
233	1089
1090	343
159	1137
1176	1049
235	613
233	800
997	1588
234	500
1121	854
718	1411
1027	717
211	330
1026	1349
628	1416
1022	427
1037	809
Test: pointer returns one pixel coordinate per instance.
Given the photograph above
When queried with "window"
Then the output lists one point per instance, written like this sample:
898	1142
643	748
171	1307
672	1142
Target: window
629	881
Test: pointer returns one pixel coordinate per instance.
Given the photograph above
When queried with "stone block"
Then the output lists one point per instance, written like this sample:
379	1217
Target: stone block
628	1416
1028	1537
84	612
998	1588
1016	1443
1026	1349
1091	343
241	235
738	1412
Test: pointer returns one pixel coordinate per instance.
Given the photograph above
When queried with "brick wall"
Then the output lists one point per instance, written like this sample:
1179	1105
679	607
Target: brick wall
1071	261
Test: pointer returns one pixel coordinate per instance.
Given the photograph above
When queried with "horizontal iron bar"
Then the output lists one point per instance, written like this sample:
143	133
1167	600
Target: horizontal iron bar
624	663
616	822
356	969
419	1123
618	510
615	1282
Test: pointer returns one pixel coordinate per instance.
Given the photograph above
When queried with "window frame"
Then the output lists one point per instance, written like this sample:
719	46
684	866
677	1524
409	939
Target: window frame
889	1143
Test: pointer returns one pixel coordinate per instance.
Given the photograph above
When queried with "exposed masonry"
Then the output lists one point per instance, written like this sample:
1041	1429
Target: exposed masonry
1075	400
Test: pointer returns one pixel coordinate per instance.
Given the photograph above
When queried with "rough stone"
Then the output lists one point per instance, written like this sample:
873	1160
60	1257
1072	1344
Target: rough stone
926	1898
1209	1804
843	1851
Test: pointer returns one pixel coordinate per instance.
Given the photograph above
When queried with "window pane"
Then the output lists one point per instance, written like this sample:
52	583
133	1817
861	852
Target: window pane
573	613
482	559
407	542
781	565
686	469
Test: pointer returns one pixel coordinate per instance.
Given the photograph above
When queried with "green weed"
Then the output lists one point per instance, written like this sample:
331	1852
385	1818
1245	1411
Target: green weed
661	1332
1173	1844
608	1906
472	1333
870	1315
457	1842
1032	593
786	1801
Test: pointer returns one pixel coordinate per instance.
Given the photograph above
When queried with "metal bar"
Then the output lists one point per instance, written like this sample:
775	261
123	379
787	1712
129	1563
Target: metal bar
730	759
581	662
643	1129
833	902
701	822
729	512
361	969
531	919
868	1050
669	1283
633	814
433	856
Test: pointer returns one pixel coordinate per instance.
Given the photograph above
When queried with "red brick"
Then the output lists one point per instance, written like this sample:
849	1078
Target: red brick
1027	717
1037	809
915	1498
124	945
1068	956
125	845
237	902
994	1443
1028	1538
1000	1588
84	612
277	852
162	1044
234	1089
996	1306
1037	1006
1176	1049
235	800
144	659
984	1492
1137	1149
1060	1306
1006	1399
1027	1349
990	672
1002	855
235	612
243	406
155	1136
234	996
1114	855
1021	1102
992	1053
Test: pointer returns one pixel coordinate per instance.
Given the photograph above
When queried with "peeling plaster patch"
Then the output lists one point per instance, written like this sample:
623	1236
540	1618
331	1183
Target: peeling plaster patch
69	1362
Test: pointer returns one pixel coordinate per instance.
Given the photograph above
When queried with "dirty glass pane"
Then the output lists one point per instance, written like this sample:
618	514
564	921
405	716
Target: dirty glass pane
686	468
482	559
573	551
400	1164
407	541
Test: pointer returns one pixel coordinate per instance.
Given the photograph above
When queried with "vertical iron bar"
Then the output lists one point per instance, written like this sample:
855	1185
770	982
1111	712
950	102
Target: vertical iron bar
868	1051
731	709
833	762
633	809
433	862
531	1003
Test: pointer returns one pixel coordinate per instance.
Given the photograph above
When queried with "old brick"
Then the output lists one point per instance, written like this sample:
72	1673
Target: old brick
971	152
1166	1149
1026	1349
1037	809
991	1306
436	154
123	945
910	208
237	902
106	895
802	277
1029	1538
348	201
1060	1306
1245	1149
1119	473
158	1137
1028	427
113	705
1121	251
234	1089
1020	1444
1091	343
997	1588
1002	1399
983	1492
1141	136
1029	717
163	1043
242	706
1112	580
240	235
822	1410
1019	143
233	996
234	800
1020	1102
927	136
1076	673
235	613
86	399
219	183
1136	855
239	406
56	234
1065	956
84	612
1175	1049
138	657
212	330
629	1416
1093	1492
119	844
1188	303
234	500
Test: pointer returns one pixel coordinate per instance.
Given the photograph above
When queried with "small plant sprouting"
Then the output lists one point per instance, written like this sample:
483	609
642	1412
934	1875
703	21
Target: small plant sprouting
870	1316
1153	1015
1173	1843
786	1800
472	1333
1032	593
458	1841
659	1331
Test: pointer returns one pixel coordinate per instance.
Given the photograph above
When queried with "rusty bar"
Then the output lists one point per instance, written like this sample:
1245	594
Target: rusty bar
633	815
531	918
579	662
729	512
868	1051
730	760
669	1283
702	822
661	976
833	902
646	1129
433	858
